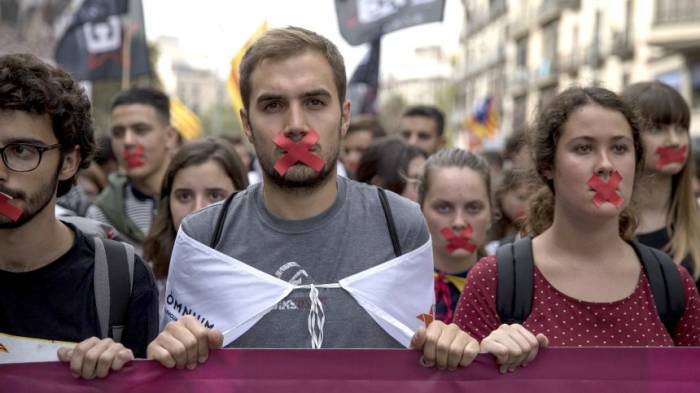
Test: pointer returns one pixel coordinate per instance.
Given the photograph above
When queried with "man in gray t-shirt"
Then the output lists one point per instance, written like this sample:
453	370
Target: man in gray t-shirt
304	224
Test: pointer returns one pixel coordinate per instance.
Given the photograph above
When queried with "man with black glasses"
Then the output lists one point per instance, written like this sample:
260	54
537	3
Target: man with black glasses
47	290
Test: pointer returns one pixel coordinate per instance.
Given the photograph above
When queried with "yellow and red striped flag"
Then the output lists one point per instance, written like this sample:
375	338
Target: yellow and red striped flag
184	120
234	86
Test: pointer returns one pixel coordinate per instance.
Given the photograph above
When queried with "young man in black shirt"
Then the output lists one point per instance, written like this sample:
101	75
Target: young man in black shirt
47	289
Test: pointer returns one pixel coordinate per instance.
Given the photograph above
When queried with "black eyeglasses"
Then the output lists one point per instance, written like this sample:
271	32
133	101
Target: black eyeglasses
24	157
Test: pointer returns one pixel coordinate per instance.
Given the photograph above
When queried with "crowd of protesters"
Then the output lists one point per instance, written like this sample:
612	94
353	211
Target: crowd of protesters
596	201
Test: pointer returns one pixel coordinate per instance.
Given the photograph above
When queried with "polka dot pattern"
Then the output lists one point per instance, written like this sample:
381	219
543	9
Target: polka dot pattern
570	322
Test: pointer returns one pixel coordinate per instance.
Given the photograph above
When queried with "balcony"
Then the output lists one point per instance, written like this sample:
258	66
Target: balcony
483	19
552	9
676	11
623	46
520	20
486	62
676	25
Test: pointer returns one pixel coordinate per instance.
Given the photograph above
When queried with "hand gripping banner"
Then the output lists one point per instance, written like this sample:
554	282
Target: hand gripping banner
570	370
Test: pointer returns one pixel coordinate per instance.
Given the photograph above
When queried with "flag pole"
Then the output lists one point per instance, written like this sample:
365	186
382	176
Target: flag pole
126	55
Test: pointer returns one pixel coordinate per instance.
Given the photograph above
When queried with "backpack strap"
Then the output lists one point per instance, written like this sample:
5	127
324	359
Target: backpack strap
390	221
113	283
515	284
665	282
219	227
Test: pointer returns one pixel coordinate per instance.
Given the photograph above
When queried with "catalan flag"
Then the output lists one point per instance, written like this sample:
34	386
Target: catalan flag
234	85
485	120
184	120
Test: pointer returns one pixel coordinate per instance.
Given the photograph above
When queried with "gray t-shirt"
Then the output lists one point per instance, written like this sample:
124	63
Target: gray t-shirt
349	237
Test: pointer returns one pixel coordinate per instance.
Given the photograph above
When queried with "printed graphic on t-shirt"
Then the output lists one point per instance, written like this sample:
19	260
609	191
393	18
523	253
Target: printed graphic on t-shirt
294	274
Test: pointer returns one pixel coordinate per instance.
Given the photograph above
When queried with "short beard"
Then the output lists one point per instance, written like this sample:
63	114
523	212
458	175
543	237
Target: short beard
304	181
300	183
35	203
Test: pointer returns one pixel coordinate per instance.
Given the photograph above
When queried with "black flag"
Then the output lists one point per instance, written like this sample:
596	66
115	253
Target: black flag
92	46
364	83
362	21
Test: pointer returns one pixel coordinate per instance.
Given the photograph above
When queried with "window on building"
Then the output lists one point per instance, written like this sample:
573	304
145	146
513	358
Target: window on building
521	53
549	44
9	12
519	112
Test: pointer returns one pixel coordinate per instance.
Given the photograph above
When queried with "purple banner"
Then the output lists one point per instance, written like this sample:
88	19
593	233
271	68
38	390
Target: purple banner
570	370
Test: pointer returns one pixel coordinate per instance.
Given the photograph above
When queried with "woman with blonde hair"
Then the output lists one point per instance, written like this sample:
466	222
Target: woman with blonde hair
665	202
454	196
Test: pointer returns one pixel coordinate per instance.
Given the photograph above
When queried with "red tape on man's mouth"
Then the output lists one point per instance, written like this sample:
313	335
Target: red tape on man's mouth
7	209
606	192
134	157
297	152
670	155
455	242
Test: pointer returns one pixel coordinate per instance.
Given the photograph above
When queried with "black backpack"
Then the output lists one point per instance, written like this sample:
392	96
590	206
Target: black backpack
515	284
113	284
219	226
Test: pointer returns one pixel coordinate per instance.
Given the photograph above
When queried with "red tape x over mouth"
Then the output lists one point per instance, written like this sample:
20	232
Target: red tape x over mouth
297	152
134	157
670	155
7	209
457	241
606	191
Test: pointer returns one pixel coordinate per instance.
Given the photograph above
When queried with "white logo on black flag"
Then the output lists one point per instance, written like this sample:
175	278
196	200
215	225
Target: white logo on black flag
364	21
91	47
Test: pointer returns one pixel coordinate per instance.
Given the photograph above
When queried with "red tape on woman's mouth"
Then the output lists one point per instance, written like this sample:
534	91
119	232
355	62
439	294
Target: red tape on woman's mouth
455	242
7	209
606	192
134	157
670	155
297	152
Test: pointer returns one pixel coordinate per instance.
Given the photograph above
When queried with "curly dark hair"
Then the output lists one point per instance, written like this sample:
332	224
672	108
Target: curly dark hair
30	85
544	139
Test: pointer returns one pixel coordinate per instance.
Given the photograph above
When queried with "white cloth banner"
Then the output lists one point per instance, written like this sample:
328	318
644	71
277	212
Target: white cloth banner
16	349
231	296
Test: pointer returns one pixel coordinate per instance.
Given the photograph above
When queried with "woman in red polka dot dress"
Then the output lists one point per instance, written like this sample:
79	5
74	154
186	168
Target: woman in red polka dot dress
589	286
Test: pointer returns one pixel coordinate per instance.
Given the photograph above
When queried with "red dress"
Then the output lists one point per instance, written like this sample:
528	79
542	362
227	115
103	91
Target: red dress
632	321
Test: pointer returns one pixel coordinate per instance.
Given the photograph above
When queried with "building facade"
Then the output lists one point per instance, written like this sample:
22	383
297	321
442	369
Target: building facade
553	44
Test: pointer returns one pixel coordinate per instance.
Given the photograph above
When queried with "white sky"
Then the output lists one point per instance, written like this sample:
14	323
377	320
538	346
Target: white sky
211	31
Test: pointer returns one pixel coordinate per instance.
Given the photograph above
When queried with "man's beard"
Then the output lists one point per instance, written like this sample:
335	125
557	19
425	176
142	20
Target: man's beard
35	204
300	176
